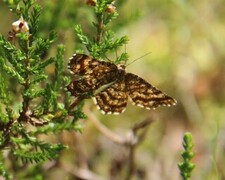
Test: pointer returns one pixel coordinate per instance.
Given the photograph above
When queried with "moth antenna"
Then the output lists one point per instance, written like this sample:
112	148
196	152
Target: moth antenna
125	50
107	59
139	58
116	53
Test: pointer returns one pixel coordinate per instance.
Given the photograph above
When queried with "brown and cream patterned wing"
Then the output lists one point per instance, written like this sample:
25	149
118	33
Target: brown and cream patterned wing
83	65
80	87
79	64
89	74
144	94
113	99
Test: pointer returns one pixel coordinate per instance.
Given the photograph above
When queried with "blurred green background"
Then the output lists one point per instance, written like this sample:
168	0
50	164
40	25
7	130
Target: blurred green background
187	61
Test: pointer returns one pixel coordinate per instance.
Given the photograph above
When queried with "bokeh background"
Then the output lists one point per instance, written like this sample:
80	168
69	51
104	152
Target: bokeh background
186	41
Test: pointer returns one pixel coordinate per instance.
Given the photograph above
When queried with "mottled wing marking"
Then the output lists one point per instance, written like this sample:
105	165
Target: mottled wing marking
83	65
78	64
144	94
89	74
112	100
80	87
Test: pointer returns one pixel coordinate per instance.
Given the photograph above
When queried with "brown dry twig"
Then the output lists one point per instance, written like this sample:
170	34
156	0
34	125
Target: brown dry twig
131	140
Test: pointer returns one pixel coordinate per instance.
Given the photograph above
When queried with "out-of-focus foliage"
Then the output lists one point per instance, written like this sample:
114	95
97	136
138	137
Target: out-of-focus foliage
186	40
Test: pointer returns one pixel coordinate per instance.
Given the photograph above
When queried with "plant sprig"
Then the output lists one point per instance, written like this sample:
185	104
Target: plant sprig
104	41
186	167
30	94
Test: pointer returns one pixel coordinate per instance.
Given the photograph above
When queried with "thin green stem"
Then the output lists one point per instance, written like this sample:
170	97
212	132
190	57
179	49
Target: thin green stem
26	100
100	27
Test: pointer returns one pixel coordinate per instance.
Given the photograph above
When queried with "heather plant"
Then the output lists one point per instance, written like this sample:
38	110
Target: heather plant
35	104
33	101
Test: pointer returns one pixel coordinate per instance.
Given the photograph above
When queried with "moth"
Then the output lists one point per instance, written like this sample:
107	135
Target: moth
110	86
